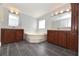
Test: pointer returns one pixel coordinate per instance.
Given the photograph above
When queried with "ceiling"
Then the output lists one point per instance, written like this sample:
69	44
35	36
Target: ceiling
34	9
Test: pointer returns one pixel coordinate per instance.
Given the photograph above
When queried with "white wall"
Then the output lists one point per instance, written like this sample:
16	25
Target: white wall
29	23
55	22
4	22
50	24
26	22
61	21
1	19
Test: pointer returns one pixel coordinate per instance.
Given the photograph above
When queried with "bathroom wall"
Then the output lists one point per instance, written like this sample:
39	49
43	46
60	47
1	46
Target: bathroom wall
26	22
56	22
4	21
62	21
1	19
1	16
29	23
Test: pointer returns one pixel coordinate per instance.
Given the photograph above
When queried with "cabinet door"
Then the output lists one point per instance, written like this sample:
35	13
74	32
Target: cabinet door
74	27
54	36
7	36
61	38
50	37
72	42
19	35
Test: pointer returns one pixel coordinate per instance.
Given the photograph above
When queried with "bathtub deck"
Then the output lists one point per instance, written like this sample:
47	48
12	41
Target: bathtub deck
27	49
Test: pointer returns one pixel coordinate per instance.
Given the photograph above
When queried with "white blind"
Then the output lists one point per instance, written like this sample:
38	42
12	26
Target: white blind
41	24
13	20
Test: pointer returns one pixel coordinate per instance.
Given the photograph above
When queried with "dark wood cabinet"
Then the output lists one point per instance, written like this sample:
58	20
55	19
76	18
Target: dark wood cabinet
72	41
74	25
19	35
68	39
11	35
74	18
50	36
57	37
7	36
65	39
61	38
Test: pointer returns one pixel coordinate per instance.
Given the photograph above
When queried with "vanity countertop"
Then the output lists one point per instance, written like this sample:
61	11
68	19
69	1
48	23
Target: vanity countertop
61	29
10	28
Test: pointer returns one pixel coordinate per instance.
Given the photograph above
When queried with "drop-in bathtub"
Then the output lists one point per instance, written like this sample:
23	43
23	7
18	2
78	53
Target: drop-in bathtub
35	37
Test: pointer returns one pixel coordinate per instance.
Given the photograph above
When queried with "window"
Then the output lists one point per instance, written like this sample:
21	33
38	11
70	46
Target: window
13	20
41	24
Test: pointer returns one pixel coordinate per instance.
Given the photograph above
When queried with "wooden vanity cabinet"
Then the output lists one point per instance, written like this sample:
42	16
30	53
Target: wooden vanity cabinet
7	36
65	39
72	41
68	39
52	37
11	35
19	35
61	37
57	37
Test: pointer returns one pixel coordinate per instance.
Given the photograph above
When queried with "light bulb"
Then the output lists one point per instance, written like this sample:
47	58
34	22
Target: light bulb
61	11
67	9
52	14
17	12
11	11
56	13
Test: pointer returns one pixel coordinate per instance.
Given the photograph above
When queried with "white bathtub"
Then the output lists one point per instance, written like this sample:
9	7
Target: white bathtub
35	37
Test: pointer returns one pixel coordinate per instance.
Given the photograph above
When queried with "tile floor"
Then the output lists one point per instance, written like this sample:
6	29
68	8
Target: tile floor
24	48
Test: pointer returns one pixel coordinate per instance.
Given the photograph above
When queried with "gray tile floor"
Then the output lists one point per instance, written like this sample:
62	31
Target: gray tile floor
28	49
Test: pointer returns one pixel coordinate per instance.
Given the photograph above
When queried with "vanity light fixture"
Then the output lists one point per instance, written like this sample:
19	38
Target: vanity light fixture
67	10
56	13
14	12
61	11
17	13
52	14
11	11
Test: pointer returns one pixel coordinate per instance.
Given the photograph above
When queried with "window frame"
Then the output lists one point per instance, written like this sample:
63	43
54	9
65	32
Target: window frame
12	21
39	26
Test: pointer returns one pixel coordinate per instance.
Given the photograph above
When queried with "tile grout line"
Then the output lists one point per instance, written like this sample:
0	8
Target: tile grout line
8	50
29	50
36	49
67	54
18	49
54	51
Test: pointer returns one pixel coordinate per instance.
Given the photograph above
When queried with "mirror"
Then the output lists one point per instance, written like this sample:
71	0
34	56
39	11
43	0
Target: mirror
61	18
62	21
